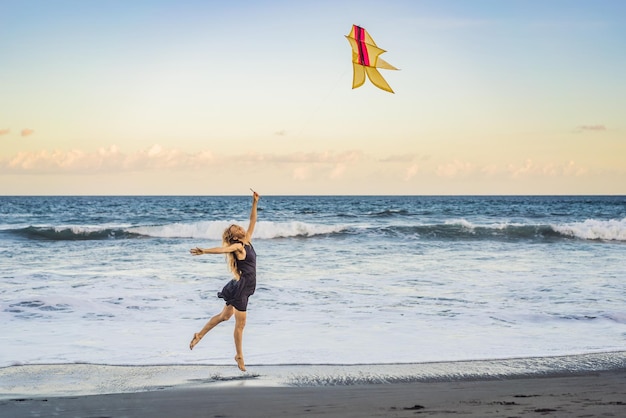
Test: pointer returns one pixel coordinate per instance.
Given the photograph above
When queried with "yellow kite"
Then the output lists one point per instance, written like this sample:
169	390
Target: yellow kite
366	58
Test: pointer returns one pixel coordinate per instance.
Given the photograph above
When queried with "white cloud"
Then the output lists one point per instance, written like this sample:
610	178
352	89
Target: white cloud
551	169
455	168
571	169
155	150
411	172
301	173
517	172
337	171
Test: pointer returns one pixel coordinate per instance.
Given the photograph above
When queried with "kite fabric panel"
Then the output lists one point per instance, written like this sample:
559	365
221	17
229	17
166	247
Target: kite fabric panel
366	59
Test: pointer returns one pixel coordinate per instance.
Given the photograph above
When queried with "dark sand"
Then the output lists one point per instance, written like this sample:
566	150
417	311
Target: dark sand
601	394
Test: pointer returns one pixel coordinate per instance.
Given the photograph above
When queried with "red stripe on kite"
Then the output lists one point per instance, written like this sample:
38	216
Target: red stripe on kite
359	34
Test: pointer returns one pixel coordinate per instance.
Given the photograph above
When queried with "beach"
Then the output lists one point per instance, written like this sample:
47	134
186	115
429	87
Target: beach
591	394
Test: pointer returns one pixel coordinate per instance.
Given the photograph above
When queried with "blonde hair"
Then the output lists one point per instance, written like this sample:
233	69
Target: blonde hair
230	237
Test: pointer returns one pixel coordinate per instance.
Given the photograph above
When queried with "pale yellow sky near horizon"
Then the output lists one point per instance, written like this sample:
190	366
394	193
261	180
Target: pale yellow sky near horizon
208	98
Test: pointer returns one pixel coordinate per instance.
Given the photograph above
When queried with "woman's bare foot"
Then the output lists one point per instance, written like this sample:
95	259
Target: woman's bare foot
195	340
240	363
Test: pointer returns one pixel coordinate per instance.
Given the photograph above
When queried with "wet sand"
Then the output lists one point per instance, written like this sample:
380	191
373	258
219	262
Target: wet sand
582	395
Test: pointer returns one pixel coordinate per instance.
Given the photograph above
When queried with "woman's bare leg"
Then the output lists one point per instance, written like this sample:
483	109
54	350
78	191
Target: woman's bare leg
240	323
225	315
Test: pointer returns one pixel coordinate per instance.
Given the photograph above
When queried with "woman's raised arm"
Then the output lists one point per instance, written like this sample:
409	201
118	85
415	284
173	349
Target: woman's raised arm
255	201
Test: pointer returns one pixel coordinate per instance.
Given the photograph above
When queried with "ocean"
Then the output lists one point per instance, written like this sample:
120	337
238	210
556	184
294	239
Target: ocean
342	280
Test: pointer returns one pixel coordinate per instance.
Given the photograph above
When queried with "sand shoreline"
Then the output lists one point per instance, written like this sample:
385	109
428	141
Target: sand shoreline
81	379
585	395
585	385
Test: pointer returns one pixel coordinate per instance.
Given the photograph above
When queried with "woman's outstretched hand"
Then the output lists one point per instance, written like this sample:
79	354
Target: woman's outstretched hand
196	251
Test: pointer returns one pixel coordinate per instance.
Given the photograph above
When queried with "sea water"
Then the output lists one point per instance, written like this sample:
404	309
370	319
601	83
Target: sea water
341	279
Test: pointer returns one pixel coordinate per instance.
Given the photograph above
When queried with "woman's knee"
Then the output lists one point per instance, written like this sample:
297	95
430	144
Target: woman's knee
227	313
240	319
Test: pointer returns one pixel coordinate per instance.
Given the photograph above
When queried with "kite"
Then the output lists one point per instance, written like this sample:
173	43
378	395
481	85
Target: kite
366	59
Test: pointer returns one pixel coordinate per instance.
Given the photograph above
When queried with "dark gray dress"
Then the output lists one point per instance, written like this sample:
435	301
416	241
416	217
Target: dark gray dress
237	292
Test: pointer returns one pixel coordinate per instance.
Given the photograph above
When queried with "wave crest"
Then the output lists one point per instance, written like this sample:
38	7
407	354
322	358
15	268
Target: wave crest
462	229
213	230
199	230
593	229
457	229
72	233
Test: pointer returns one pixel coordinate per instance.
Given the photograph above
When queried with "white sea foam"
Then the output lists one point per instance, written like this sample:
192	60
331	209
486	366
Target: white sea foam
206	229
213	229
460	222
593	229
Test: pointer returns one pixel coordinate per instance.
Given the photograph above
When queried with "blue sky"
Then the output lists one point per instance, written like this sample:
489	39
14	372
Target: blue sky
169	97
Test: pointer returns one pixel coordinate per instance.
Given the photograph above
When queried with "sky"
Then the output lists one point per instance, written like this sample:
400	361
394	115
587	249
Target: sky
190	97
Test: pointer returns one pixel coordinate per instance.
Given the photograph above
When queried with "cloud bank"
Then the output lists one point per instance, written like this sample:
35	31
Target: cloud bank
301	165
112	159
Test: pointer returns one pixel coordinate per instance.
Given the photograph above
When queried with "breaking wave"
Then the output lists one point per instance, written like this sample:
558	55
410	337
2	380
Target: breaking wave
204	230
459	229
591	229
72	233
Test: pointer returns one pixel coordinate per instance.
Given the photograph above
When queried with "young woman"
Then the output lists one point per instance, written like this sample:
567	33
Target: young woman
241	259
